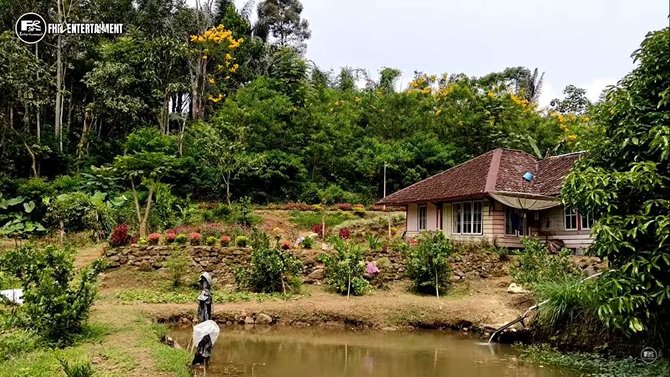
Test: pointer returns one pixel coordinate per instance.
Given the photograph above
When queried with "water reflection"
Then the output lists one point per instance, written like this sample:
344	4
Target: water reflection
275	352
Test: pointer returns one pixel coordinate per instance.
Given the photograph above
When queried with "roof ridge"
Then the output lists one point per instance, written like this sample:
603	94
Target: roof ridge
435	176
565	154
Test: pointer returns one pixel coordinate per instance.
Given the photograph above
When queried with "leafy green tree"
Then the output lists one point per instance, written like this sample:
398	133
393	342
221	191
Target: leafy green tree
575	101
428	263
149	157
624	183
282	20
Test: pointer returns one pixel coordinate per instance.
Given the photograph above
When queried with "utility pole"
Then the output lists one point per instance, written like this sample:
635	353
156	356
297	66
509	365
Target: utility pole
384	207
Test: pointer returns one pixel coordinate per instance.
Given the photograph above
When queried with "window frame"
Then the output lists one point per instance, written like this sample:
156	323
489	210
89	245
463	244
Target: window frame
459	221
573	213
589	221
423	207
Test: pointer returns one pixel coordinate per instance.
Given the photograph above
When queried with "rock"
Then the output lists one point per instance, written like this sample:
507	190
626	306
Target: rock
459	273
263	319
317	274
590	270
145	266
326	247
516	289
249	320
484	275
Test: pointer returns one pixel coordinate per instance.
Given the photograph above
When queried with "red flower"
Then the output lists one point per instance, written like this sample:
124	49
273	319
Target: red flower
225	240
345	233
170	236
119	236
318	229
195	238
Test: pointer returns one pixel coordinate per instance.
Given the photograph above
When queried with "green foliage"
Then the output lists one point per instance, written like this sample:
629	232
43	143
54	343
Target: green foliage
271	270
308	242
306	219
17	342
241	241
14	218
78	211
177	266
624	183
428	264
373	241
56	302
569	302
189	296
77	369
211	241
181	239
538	265
345	268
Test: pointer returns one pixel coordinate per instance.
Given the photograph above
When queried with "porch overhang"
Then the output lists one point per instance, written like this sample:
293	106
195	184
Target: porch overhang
526	201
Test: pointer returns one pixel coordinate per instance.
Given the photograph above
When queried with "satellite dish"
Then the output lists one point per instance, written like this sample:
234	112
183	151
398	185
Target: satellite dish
528	176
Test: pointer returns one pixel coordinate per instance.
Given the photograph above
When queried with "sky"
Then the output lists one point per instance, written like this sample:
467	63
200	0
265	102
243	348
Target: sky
587	43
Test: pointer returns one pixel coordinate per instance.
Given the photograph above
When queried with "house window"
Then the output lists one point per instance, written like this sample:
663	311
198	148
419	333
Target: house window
422	216
586	221
575	220
570	219
440	211
467	217
516	222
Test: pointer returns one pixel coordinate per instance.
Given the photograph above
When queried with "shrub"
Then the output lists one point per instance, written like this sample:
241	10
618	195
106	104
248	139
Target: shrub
76	370
308	242
373	241
225	241
259	239
143	241
343	206
345	269
177	266
181	239
359	210
170	237
271	270
56	302
345	233
78	211
154	238
211	241
537	265
14	343
241	241
568	300
427	262
318	229
119	236
194	238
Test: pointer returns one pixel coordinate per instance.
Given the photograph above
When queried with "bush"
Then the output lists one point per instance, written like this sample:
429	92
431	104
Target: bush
344	233
241	241
308	242
359	210
14	343
78	211
318	229
568	301
76	370
271	270
427	262
537	265
56	302
211	241
154	238
177	266
143	241
345	269
170	237
194	238
343	206
181	239
373	242
119	236
225	241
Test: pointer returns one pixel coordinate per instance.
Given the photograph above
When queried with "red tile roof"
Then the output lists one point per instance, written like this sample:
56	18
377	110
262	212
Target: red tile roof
494	171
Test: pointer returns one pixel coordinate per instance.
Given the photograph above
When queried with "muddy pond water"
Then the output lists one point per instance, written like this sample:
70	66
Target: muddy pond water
316	352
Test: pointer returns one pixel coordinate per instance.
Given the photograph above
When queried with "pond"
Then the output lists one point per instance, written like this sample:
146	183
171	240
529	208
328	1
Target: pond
312	352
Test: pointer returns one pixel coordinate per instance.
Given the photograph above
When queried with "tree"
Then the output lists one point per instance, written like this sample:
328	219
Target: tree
574	101
282	20
624	183
149	157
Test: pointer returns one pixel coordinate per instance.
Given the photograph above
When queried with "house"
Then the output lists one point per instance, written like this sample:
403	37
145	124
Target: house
501	196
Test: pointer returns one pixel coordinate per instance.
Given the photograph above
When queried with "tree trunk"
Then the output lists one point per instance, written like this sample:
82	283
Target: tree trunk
58	121
147	210
33	158
138	212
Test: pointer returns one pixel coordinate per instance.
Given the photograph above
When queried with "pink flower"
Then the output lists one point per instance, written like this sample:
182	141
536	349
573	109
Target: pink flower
371	268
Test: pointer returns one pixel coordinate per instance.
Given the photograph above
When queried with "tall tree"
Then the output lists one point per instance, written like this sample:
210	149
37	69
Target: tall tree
624	183
574	101
282	20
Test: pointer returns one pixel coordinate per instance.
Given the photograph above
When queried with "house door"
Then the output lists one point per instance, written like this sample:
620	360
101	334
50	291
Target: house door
439	213
516	222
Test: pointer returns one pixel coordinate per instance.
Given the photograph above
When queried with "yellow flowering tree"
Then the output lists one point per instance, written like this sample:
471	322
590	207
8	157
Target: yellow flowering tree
213	61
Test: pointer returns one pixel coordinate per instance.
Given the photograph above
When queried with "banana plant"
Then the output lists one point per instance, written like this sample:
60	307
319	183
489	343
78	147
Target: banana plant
14	221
